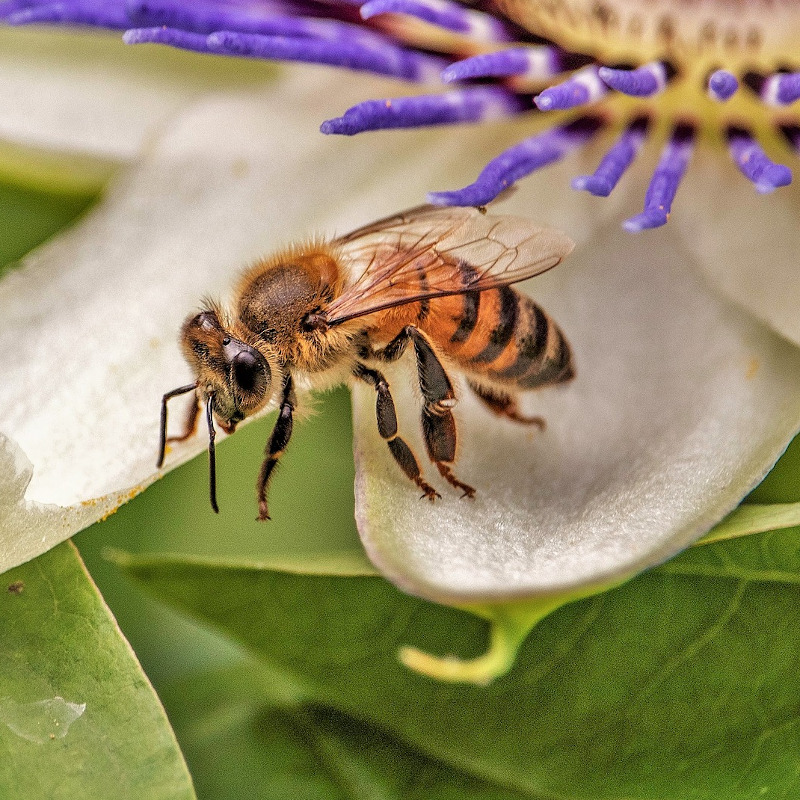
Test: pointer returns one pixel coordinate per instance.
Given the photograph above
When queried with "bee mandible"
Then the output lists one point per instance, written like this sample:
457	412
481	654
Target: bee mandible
437	279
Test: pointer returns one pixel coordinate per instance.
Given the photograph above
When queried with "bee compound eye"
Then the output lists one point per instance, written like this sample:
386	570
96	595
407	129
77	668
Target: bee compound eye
247	368
226	340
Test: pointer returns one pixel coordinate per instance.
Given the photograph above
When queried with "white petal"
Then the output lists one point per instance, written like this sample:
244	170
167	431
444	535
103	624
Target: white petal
680	405
89	332
87	97
746	243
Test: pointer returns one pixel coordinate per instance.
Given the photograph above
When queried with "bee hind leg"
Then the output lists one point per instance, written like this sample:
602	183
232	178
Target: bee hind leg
504	405
387	427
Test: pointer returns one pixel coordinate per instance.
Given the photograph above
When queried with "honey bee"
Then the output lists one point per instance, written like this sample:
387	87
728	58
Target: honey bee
435	278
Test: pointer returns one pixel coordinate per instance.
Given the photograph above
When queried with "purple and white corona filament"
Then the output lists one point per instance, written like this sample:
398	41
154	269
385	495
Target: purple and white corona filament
653	78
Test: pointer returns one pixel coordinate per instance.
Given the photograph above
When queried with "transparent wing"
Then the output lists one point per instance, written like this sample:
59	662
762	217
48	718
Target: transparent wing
434	251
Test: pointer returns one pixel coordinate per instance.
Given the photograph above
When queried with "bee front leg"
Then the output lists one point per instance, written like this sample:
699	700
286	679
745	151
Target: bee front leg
190	425
387	427
278	441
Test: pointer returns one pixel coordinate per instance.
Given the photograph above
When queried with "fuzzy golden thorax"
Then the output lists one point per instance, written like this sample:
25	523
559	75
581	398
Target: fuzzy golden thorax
276	297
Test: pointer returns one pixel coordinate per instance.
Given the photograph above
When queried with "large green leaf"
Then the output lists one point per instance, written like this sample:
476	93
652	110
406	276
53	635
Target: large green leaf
673	686
78	717
246	732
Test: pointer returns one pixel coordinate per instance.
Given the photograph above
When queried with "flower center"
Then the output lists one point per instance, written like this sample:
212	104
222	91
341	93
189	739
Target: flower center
741	35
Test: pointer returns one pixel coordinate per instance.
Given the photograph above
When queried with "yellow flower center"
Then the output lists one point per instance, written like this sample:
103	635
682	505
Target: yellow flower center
750	39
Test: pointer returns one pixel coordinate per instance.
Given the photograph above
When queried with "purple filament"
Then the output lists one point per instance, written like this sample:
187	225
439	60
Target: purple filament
754	163
613	165
451	16
204	17
537	62
8	7
722	85
173	37
781	89
355	54
442	13
642	82
519	161
665	181
96	14
473	104
583	87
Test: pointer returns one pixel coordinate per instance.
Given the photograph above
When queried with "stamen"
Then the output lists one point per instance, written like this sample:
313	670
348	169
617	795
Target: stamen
781	89
583	87
444	14
722	85
535	63
96	13
615	162
519	161
645	81
473	104
665	181
754	163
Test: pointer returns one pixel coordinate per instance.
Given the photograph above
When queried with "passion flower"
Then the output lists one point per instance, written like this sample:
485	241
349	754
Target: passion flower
661	75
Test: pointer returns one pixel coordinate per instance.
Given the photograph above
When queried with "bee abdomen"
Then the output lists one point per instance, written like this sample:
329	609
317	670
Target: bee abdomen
507	338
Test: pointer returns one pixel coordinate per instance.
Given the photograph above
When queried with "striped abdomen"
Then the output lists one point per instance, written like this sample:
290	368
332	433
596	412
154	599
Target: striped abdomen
501	336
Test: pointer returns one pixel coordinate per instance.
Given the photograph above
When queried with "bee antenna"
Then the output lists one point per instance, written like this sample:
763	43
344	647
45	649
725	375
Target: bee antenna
212	461
162	440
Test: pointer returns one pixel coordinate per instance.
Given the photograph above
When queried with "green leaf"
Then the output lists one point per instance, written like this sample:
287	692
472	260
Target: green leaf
244	727
30	217
671	686
771	557
750	518
78	717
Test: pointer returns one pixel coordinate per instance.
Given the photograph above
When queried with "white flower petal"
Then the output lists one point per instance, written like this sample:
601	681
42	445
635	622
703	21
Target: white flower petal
90	322
680	405
746	243
87	98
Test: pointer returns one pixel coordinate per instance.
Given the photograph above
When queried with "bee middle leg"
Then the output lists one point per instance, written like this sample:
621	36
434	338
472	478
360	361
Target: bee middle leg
438	424
387	427
278	441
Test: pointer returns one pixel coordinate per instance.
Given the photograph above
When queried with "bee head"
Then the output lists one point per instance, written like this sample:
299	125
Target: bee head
235	375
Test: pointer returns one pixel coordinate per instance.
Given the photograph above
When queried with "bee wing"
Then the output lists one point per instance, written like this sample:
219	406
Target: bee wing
433	251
